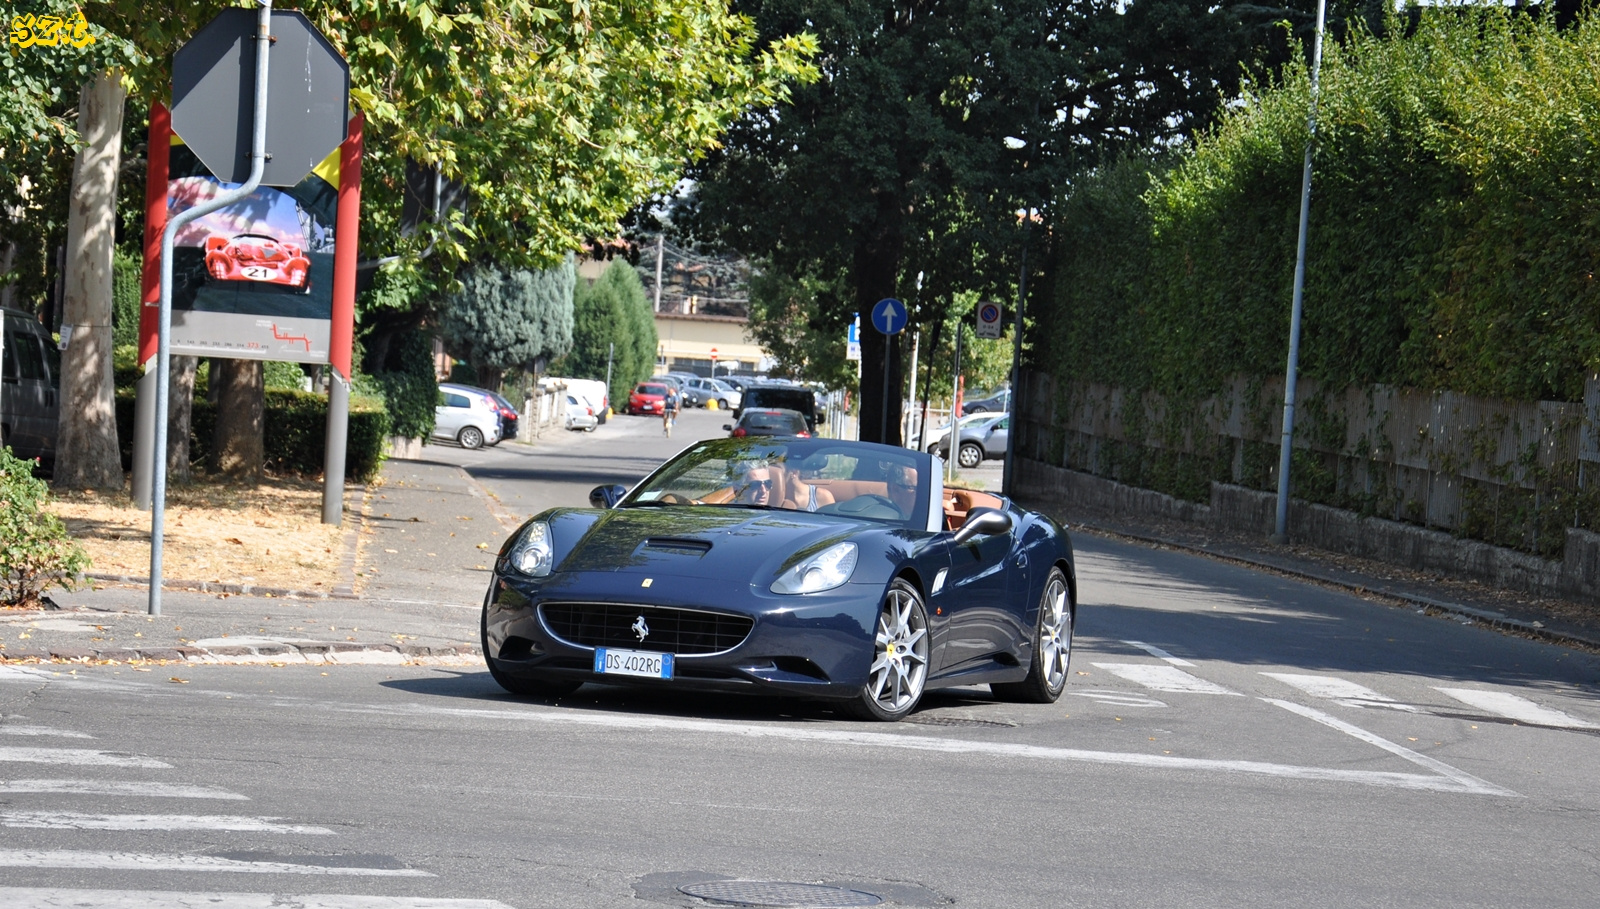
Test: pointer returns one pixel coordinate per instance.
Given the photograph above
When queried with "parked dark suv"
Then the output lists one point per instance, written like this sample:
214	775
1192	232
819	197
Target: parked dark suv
30	387
786	397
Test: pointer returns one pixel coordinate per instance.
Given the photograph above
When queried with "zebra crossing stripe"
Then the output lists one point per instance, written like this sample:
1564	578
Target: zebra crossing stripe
55	898
1335	689
82	757
144	861
1515	707
1164	678
1158	653
118	787
69	820
43	730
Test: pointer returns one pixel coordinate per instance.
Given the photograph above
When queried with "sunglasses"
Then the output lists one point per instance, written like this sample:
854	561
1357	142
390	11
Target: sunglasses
763	484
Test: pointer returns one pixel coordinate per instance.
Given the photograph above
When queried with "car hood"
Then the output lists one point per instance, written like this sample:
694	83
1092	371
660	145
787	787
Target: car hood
717	544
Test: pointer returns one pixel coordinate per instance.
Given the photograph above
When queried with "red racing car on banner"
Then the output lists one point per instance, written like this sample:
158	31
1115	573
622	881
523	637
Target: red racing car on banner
256	257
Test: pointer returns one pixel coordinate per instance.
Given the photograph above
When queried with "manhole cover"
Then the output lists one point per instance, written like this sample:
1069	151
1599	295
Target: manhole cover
921	719
778	894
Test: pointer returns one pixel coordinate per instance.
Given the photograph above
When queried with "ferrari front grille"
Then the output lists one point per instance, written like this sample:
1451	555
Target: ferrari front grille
684	632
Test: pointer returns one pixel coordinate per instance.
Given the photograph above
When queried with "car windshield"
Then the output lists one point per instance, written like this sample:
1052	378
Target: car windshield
856	480
658	390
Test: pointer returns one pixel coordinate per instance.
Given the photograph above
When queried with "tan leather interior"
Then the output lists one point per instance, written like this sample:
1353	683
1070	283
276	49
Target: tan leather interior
957	502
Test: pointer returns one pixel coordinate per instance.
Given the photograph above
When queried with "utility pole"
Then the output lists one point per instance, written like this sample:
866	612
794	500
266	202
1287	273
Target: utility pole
1280	533
661	240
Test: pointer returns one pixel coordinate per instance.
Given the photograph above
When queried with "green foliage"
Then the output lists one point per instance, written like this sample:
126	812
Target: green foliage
127	291
787	318
506	319
1453	226
409	394
612	311
35	550
275	374
294	432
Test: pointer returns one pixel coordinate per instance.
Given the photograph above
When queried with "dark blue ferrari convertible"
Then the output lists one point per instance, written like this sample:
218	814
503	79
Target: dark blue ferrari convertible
809	567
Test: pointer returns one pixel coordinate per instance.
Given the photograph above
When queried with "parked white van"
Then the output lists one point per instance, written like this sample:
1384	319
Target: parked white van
590	391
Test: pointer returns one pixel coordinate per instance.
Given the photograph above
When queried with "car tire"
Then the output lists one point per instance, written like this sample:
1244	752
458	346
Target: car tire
1052	649
470	437
896	679
522	688
976	408
970	455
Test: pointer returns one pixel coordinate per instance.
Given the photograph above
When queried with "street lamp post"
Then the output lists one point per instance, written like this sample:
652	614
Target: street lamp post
1281	528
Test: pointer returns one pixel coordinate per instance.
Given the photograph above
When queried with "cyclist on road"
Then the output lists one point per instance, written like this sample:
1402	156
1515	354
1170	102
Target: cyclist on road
669	411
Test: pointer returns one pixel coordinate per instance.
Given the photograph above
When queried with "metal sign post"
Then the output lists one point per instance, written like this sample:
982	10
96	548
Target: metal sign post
889	317
258	160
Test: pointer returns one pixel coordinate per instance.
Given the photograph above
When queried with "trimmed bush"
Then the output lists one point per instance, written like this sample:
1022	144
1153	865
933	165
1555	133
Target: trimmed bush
294	435
35	550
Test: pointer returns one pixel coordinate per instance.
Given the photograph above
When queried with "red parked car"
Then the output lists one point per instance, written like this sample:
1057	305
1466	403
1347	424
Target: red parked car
647	398
256	257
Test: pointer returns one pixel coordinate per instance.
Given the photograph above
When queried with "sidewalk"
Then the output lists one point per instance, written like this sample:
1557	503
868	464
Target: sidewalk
419	547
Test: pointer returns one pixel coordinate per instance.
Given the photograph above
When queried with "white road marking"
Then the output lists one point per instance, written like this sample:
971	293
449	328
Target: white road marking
43	730
71	820
1466	781
118	787
1158	653
1451	783
48	898
79	756
144	861
1336	689
1116	698
1514	707
1164	678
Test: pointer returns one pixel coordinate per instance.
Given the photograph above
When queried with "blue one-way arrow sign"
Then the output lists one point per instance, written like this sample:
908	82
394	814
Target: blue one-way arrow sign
889	316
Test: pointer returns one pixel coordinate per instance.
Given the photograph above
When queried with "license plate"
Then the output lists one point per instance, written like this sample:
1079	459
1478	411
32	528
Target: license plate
633	662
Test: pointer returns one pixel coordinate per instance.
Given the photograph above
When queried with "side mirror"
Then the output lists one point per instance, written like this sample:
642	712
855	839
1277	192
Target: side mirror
607	496
985	522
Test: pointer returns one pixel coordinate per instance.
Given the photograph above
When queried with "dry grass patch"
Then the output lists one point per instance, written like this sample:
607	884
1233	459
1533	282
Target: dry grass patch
271	535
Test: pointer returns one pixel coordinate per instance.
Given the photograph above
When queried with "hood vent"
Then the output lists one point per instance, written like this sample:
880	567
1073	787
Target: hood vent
678	544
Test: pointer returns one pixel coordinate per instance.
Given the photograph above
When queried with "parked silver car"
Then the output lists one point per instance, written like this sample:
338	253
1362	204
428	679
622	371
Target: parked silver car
30	387
580	415
471	419
981	440
703	390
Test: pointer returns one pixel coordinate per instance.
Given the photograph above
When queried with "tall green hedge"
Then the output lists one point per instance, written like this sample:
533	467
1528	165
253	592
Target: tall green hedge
1455	226
295	433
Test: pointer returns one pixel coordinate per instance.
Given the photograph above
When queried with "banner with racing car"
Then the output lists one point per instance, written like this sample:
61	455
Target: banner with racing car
253	280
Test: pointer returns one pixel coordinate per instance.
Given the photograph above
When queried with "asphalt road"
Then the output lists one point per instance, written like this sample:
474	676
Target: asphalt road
1227	739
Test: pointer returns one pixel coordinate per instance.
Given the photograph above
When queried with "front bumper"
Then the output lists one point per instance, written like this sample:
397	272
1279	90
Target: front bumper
818	645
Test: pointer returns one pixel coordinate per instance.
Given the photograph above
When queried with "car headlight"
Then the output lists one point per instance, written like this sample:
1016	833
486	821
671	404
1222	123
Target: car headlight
533	555
823	571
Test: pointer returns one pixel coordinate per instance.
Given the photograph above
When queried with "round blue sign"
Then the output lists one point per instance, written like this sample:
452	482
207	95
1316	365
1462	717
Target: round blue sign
889	316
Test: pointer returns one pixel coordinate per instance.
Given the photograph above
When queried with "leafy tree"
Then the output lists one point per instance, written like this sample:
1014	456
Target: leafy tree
613	311
787	319
555	120
508	319
933	125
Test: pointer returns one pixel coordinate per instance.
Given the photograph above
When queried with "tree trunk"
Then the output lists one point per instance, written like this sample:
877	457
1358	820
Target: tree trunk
180	420
238	449
87	455
876	266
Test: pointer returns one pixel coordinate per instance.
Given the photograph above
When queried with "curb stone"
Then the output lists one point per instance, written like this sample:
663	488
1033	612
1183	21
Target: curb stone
308	652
